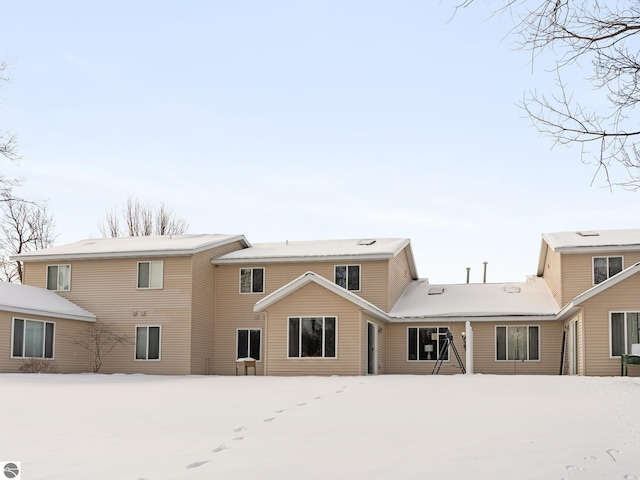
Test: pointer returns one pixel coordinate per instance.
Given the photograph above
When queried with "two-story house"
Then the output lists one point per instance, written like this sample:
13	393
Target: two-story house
196	304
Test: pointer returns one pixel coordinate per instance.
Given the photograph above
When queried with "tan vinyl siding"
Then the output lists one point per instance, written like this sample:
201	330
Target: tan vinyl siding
552	275
313	300
396	349
399	276
67	357
622	297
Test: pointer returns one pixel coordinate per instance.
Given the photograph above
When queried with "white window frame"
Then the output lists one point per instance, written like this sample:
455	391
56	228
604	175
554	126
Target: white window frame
150	287
323	357
626	333
348	266
251	291
249	330
58	289
44	338
507	327
608	258
135	349
441	337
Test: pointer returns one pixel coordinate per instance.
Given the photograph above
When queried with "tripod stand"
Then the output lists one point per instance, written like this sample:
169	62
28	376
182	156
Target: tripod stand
448	341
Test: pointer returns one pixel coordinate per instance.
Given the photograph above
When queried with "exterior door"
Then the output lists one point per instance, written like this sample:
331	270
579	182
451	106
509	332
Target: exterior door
573	348
371	348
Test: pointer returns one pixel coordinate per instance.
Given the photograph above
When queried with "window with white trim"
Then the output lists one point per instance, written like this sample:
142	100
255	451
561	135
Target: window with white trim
252	280
425	343
312	337
59	277
150	274
348	276
148	342
520	342
32	339
606	267
625	331
248	343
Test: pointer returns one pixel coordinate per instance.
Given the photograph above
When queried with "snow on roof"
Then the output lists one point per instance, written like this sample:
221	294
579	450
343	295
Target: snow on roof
25	299
318	250
589	240
522	299
160	245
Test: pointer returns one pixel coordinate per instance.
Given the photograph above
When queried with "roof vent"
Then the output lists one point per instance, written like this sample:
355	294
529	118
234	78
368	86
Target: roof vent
367	241
588	234
512	289
436	291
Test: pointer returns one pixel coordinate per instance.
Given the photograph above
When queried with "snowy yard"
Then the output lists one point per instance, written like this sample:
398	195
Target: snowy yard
385	427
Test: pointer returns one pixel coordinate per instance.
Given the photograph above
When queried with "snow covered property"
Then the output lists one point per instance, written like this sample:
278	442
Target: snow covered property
199	304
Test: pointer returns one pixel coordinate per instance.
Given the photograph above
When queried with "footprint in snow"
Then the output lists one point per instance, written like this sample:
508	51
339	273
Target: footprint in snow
281	410
591	458
270	419
574	467
239	429
339	391
318	397
301	404
631	477
220	448
237	439
197	464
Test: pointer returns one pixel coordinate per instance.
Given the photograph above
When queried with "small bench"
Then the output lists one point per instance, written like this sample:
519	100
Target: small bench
626	361
247	363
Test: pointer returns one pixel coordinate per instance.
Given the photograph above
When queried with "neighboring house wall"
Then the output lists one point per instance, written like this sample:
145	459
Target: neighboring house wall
622	297
553	275
399	276
67	357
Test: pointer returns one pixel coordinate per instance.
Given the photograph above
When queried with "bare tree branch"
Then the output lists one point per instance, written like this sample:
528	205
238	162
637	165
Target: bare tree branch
142	220
99	339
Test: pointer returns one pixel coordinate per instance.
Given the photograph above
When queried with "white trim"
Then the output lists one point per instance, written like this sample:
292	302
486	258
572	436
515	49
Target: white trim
347	265
264	280
507	360
249	340
138	287
135	345
323	357
58	289
44	338
626	333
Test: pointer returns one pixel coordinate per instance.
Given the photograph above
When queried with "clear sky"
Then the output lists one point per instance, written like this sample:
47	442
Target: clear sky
297	120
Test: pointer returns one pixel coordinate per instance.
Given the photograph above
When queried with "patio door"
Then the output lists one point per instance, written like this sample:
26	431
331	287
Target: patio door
573	347
371	348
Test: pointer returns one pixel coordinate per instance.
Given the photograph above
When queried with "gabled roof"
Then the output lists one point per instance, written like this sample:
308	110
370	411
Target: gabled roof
589	241
311	277
474	301
27	300
124	247
572	306
321	251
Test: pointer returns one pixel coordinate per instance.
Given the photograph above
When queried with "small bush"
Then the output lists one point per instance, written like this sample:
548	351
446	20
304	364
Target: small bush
38	365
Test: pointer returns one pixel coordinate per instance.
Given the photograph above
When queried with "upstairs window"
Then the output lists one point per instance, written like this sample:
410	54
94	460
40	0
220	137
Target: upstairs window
32	339
150	274
605	267
59	277
348	276
252	280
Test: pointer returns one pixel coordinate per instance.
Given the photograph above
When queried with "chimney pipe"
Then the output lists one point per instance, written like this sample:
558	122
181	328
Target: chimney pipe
468	270
484	275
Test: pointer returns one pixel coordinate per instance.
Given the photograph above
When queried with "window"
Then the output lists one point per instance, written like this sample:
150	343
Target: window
32	339
605	267
147	343
58	277
150	274
625	331
312	337
518	343
425	343
248	343
348	276
252	280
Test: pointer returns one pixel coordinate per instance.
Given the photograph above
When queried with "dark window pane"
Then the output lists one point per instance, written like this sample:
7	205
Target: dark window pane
254	348
294	337
33	339
412	343
424	339
633	329
154	343
617	334
48	340
141	343
18	337
501	343
52	277
143	275
341	276
311	333
600	269
245	280
615	265
330	337
243	344
258	280
534	353
354	277
442	338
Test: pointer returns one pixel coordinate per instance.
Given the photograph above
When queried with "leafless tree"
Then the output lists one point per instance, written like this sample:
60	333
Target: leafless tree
99	339
577	33
24	227
142	220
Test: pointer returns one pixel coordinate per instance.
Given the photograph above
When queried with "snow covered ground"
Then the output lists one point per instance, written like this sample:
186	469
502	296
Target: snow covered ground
384	427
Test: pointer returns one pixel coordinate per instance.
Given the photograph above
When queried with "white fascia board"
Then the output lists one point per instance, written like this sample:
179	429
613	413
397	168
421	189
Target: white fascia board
476	318
317	258
599	249
46	313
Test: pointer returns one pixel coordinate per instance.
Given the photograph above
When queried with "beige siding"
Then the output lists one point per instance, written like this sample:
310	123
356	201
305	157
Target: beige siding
553	275
313	300
619	298
396	349
399	276
68	358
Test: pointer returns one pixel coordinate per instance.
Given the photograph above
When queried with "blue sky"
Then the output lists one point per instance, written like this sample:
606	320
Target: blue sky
298	120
